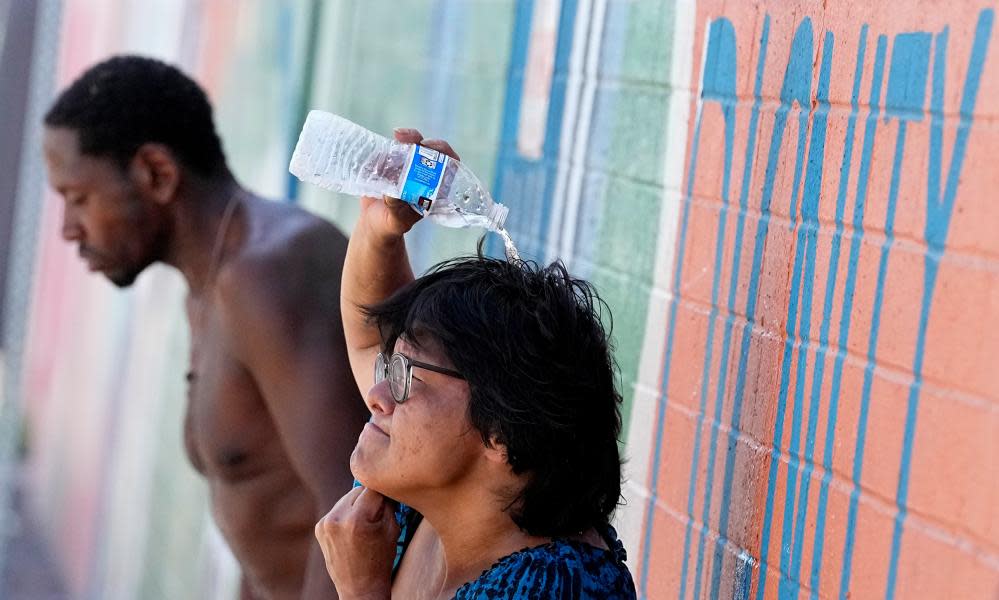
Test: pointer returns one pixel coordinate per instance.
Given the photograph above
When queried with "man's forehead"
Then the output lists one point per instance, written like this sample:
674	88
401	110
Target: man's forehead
61	141
62	153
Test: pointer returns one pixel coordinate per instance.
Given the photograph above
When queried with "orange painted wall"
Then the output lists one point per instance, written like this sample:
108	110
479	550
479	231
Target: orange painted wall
828	415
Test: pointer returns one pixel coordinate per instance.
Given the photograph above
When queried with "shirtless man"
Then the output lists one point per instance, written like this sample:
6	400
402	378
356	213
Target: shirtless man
272	411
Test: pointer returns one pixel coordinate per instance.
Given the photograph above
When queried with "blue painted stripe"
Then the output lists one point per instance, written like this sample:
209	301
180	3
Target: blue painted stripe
716	30
932	263
807	237
865	398
719	85
667	361
509	167
556	107
860	201
743	579
904	97
514	90
796	88
827	307
705	384
303	94
747	173
785	376
517	177
939	212
515	72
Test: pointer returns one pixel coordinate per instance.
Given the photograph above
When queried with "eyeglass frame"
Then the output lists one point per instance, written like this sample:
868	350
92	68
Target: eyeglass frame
383	373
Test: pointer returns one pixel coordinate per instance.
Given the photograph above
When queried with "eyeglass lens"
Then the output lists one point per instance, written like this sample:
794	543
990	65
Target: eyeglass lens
396	371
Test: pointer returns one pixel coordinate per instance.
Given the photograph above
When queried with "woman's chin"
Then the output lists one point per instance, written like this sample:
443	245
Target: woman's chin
372	482
363	470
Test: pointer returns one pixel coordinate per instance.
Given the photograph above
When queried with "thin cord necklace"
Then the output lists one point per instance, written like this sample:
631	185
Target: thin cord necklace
213	264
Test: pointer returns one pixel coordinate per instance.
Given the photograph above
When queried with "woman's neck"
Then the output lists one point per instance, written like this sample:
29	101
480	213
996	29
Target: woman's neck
474	532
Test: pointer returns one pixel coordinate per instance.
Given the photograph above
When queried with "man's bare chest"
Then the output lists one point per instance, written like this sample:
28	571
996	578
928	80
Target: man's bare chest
226	426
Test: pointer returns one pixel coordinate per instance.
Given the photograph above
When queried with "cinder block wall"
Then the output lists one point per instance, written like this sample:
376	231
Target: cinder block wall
823	414
787	205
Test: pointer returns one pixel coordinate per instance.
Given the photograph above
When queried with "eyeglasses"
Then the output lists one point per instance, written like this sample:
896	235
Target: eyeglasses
398	369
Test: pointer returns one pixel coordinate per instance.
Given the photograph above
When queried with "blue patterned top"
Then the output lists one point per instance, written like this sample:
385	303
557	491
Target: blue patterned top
559	570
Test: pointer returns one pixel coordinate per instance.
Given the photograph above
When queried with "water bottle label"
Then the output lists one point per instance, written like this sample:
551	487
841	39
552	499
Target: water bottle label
423	177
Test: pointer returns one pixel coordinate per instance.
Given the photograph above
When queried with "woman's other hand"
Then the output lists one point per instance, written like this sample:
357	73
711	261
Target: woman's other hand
358	539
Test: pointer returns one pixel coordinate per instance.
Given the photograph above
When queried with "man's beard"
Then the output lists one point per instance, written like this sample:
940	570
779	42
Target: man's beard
124	276
124	279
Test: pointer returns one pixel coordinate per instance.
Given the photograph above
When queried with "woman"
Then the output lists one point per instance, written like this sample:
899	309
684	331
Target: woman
494	422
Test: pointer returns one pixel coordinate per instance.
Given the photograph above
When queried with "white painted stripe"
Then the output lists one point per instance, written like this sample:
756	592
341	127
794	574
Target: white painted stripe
535	95
570	113
574	193
641	431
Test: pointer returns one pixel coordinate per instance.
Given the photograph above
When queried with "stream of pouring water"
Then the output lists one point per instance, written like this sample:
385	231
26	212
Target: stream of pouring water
511	250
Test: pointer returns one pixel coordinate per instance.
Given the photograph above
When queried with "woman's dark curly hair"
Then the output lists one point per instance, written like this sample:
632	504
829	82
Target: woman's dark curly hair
531	344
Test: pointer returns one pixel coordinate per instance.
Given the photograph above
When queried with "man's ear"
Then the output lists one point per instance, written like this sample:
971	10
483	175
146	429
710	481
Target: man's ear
156	171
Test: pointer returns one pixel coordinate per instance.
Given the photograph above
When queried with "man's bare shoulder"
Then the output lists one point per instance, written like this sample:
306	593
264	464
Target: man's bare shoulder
284	236
289	259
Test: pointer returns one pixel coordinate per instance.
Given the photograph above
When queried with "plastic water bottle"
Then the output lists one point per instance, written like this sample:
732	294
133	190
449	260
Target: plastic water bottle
339	155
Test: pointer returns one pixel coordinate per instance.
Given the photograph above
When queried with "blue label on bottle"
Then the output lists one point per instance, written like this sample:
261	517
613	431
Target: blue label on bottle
423	181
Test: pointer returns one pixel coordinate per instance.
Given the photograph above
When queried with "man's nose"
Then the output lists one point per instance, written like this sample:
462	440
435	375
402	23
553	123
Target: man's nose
71	229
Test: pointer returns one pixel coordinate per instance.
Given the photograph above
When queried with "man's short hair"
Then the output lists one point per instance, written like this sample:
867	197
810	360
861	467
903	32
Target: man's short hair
126	101
530	342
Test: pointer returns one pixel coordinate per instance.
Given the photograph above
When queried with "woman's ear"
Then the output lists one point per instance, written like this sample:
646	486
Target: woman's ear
496	451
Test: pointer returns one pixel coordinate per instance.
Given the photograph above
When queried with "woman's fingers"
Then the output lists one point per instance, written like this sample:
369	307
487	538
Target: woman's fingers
369	505
441	146
358	538
412	136
407	135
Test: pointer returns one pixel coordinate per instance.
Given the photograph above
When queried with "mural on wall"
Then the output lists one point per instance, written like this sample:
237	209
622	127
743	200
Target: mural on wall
787	207
824	169
103	399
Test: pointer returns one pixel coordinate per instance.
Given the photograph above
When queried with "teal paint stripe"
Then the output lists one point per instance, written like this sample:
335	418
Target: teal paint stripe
747	174
863	179
305	93
718	85
796	88
531	182
819	368
939	212
904	97
667	361
807	240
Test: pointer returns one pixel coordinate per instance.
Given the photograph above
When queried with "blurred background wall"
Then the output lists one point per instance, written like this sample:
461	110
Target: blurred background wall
789	206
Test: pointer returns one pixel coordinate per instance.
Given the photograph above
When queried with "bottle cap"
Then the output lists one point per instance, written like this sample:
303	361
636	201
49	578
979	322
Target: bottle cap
497	216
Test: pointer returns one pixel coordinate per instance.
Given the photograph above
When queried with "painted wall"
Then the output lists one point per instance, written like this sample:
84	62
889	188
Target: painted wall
788	206
102	392
825	417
